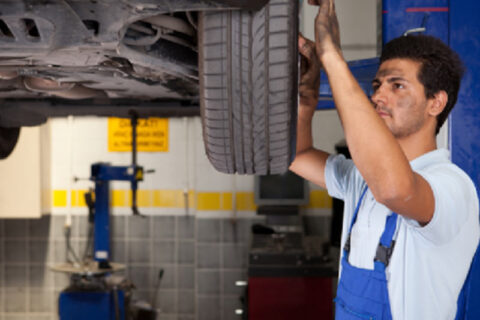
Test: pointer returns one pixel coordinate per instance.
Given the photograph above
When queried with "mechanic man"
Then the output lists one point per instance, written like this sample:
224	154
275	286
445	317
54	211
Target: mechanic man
411	220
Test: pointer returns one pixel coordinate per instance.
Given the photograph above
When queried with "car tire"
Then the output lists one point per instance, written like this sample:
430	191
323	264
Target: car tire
8	141
248	68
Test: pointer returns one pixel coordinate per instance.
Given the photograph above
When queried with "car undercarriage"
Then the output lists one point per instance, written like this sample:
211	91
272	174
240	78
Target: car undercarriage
232	62
99	50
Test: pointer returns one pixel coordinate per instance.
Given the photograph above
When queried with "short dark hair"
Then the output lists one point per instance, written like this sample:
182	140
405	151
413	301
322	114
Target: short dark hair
442	68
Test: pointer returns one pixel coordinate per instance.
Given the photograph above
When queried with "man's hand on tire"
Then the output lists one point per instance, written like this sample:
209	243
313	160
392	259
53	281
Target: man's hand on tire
327	31
309	73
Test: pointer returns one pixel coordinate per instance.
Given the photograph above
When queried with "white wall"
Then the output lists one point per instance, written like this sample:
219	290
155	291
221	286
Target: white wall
78	144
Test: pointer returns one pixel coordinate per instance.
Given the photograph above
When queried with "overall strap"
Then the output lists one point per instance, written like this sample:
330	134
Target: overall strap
386	245
346	248
357	208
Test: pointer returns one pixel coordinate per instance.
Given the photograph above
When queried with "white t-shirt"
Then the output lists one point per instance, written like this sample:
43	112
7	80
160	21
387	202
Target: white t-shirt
429	264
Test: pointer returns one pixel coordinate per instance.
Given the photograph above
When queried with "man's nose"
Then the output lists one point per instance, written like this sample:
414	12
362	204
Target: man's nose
379	97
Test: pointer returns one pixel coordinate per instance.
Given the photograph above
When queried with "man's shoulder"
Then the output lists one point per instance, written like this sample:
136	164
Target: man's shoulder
448	172
452	187
453	190
344	167
341	176
438	163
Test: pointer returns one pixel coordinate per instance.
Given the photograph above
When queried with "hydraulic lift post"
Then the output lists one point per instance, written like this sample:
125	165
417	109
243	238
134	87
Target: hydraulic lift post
102	174
91	294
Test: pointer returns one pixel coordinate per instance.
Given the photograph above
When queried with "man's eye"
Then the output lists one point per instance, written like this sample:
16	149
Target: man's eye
398	86
375	88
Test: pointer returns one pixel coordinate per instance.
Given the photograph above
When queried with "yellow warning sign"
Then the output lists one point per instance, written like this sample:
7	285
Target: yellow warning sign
152	135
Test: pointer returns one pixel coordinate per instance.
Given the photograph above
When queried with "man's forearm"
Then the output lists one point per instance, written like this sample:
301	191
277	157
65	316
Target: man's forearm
309	162
304	128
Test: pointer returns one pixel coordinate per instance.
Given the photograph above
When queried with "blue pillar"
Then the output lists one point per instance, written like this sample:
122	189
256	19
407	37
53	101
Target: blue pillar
464	122
102	221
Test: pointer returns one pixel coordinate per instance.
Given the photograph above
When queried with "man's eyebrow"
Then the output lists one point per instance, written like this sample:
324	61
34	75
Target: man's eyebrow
389	80
394	79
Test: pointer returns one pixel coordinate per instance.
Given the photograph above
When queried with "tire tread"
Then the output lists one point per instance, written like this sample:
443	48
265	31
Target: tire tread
249	98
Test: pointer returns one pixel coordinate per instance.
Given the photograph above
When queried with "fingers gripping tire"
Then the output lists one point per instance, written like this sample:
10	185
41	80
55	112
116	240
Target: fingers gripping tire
248	87
8	141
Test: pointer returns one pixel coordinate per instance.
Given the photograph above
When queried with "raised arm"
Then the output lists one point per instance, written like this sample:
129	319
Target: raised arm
309	162
375	151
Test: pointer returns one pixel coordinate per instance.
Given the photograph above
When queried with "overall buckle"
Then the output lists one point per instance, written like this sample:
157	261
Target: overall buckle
347	244
384	254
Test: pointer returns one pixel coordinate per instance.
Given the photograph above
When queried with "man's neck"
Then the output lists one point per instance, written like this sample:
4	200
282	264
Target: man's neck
417	145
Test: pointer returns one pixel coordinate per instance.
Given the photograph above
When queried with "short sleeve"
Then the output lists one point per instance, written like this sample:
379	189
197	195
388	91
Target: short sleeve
455	199
338	172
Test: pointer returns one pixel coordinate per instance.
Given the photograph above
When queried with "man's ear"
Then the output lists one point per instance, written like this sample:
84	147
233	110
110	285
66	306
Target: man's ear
438	103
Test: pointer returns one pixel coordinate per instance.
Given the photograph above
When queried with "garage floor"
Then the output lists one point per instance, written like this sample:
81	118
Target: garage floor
202	259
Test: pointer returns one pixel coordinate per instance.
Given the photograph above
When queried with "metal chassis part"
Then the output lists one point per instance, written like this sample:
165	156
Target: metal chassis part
96	27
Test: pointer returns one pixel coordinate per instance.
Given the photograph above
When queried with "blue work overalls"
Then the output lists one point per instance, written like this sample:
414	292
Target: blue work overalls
363	293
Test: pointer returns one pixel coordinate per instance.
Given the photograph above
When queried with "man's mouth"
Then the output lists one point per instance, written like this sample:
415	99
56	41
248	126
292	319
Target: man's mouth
383	113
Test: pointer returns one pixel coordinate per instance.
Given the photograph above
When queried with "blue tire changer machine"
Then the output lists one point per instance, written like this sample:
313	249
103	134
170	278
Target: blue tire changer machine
93	292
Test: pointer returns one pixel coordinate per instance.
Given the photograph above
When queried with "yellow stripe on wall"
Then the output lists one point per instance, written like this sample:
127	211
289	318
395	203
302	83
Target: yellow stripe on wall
59	198
246	201
192	199
202	201
168	199
226	201
208	201
78	198
319	199
119	198
144	198
73	198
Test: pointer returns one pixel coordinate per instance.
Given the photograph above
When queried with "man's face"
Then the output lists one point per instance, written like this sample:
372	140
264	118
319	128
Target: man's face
399	97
